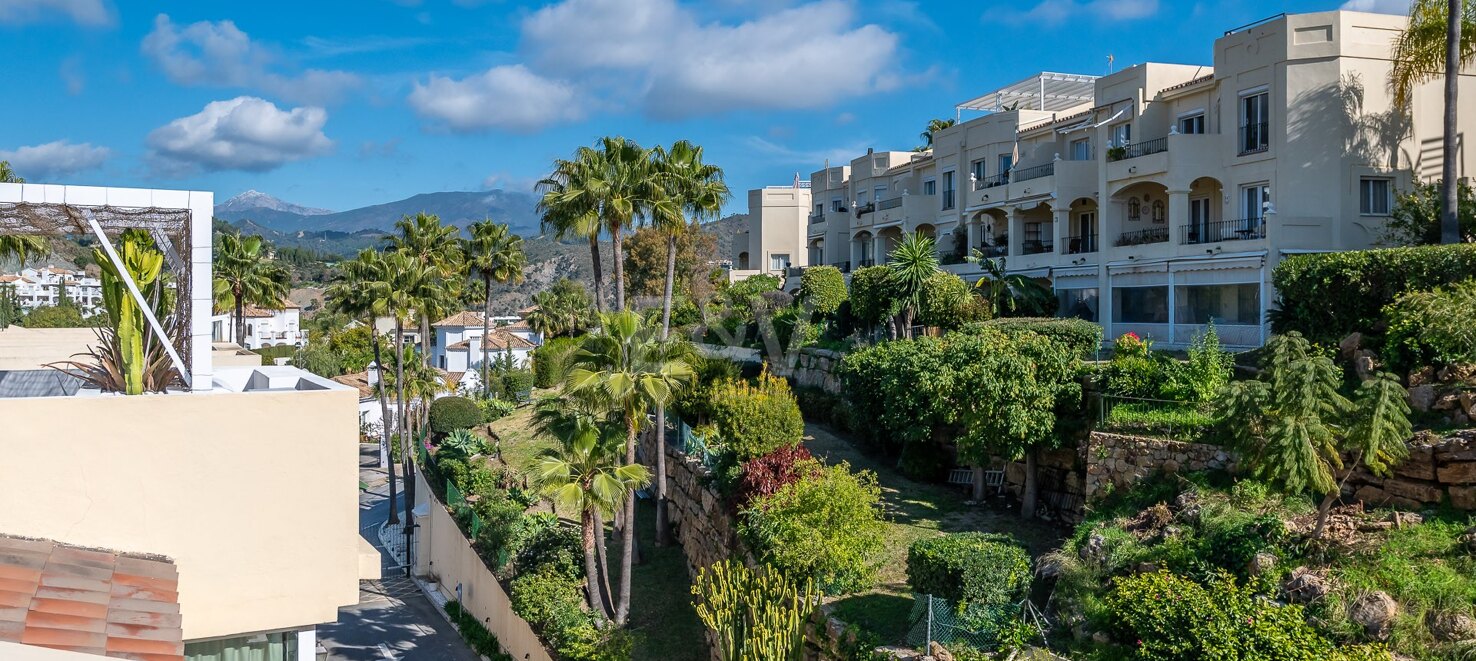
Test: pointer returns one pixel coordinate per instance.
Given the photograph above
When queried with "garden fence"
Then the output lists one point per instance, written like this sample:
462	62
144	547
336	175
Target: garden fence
985	628
680	436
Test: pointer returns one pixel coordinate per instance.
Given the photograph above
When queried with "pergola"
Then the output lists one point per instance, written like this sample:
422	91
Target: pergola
1045	91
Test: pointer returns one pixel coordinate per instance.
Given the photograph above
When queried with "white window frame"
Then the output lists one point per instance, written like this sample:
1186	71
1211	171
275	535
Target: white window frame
979	168
1244	118
1086	153
1246	207
930	186
1121	134
1365	196
1198	114
775	258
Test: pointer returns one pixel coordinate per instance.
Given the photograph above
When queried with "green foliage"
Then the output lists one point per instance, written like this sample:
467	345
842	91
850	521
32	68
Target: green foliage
495	409
947	302
1327	296
1138	371
1007	390
757	615
899	392
1432	327
971	567
352	346
827	528
645	259
448	414
565	309
913	261
455	470
754	420
476	635
1209	367
1082	337
1415	218
1184	422
58	316
318	358
542	541
1011	295
823	288
551	361
553	604
874	297
745	293
461	443
694	404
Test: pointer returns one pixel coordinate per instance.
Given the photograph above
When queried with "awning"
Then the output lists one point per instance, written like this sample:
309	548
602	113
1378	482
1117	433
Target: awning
1046	91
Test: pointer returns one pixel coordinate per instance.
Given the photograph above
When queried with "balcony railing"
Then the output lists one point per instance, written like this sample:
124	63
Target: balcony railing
1084	243
817	218
1037	246
1140	237
865	208
1244	229
890	203
1000	249
1026	174
1138	149
1255	138
990	182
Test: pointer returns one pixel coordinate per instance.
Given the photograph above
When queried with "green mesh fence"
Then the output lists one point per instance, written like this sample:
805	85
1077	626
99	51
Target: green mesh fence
454	499
982	627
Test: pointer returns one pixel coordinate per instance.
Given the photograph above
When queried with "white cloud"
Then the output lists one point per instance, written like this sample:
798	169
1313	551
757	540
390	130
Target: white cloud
681	67
778	153
508	97
1058	11
92	13
1400	7
55	159
244	133
221	55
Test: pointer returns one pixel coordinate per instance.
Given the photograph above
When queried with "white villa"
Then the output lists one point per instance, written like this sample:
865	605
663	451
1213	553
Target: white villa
264	327
1153	199
455	347
40	287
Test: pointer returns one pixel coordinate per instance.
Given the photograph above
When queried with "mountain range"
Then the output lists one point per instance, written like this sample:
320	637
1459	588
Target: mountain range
460	208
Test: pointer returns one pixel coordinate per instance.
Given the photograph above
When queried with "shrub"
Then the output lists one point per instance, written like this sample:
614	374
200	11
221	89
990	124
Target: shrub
462	443
827	528
762	476
500	516
971	567
873	296
1433	327
453	470
476	635
694	404
513	383
947	302
554	604
449	414
1082	337
551	361
1209	367
1327	296
541	541
495	409
823	288
898	391
754	420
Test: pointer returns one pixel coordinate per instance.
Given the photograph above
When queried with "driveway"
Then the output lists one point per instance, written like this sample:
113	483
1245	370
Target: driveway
393	621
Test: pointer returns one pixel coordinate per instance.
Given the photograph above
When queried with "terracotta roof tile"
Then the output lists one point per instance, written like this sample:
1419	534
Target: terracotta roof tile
89	600
461	319
499	340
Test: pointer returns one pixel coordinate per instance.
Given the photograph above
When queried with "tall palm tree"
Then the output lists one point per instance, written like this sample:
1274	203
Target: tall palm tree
696	189
585	475
626	368
8	175
244	275
912	261
1440	37
493	254
934	126
352	293
401	292
1006	292
567	209
430	244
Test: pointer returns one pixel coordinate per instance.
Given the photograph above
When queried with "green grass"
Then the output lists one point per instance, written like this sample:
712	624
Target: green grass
661	612
883	614
1179	421
521	443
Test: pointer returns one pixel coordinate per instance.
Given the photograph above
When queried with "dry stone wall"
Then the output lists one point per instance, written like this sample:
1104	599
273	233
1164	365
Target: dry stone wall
1437	470
1116	461
812	368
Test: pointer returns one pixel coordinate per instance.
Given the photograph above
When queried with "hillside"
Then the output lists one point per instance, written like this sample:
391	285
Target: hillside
454	208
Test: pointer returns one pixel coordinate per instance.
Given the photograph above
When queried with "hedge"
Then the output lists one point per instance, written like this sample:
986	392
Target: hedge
449	414
1081	336
1329	295
551	361
969	568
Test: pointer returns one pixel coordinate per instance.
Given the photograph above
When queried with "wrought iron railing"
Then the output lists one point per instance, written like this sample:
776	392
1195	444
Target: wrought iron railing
890	203
1244	229
1084	243
817	217
1140	237
1037	246
1026	174
1255	138
1000	250
1138	149
864	208
990	182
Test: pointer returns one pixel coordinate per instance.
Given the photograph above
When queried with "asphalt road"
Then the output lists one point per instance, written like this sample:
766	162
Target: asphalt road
393	620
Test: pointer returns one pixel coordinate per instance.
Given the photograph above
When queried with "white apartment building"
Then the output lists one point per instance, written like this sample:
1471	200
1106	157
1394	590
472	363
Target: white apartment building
772	239
43	287
265	327
1159	197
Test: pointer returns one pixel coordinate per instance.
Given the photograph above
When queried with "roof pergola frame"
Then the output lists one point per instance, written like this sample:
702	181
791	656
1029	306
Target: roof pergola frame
1046	91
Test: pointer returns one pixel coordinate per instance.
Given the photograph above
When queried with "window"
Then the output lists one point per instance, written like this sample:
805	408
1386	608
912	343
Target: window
1158	212
1006	163
1122	134
1135	209
1255	110
880	163
978	169
837	204
948	190
1253	200
1192	124
930	187
1373	196
778	261
861	198
279	646
819	208
1199	219
1237	304
1140	305
1081	150
880	193
1078	303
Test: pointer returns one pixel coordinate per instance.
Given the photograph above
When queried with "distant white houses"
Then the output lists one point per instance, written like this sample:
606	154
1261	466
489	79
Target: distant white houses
264	327
42	287
457	341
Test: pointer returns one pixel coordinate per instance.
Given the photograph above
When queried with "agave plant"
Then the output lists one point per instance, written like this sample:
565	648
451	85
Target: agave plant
130	357
462	443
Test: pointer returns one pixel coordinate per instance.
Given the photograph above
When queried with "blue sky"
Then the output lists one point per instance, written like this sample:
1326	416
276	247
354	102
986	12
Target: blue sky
341	104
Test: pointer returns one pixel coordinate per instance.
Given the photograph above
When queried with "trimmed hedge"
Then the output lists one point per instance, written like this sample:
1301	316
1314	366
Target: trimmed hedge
1081	336
969	568
449	414
1327	296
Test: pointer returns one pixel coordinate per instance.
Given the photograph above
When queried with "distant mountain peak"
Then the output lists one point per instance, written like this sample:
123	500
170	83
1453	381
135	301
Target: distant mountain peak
254	199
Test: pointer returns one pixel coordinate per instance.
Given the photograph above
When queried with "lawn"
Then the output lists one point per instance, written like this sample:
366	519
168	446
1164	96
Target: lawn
521	443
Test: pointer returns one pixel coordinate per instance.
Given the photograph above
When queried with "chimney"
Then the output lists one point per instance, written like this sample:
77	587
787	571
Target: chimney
371	374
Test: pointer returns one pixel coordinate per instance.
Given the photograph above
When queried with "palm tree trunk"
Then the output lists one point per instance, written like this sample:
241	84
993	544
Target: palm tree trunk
425	339
405	444
1031	493
671	255
385	420
627	532
617	255
240	323
663	527
402	417
591	577
1323	509
1450	228
604	560
486	328
599	276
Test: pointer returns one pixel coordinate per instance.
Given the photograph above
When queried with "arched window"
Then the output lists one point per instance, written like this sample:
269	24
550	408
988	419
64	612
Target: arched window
1135	209
1158	212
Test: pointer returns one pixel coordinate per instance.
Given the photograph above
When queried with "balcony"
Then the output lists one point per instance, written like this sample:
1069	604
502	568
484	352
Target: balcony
1137	150
865	209
1142	237
1037	247
1254	138
818	217
890	203
1001	247
1244	229
1026	174
1080	244
990	182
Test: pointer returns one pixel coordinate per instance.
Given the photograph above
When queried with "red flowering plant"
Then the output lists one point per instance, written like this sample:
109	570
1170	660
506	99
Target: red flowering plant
767	474
1129	344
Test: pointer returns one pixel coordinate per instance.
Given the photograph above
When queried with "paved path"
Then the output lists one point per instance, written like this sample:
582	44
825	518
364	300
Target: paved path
393	620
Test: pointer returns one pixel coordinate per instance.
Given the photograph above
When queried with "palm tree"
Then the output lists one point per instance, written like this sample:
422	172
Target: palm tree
352	293
912	261
626	368
8	175
493	254
934	126
1007	292
22	246
401	294
568	211
585	475
697	189
430	244
245	275
1440	37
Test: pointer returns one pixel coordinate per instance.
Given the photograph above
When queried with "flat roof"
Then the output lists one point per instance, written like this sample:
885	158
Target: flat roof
1047	91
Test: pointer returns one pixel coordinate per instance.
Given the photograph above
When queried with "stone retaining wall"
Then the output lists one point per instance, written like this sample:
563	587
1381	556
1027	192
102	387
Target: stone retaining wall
812	368
1437	470
1116	461
1059	482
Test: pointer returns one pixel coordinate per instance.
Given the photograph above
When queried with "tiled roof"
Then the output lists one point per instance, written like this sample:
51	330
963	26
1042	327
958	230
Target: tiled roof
1188	83
358	380
461	319
120	605
499	340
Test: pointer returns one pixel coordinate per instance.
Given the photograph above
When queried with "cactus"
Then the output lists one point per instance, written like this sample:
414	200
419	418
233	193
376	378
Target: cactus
133	334
757	615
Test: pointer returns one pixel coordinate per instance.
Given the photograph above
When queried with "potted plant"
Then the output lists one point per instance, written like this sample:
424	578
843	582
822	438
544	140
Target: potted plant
1116	153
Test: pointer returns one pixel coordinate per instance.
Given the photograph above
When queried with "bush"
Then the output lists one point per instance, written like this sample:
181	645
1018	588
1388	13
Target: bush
551	361
970	567
540	540
873	295
754	420
495	409
500	516
827	527
1434	327
453	470
448	414
947	302
823	288
555	605
1082	337
476	635
898	391
513	383
820	406
694	404
1327	296
762	476
461	443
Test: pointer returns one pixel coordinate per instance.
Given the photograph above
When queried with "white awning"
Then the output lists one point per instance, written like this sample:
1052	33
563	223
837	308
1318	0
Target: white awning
1046	91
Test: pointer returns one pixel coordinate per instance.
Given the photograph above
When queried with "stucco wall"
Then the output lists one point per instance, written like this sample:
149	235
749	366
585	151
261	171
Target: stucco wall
253	495
442	549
